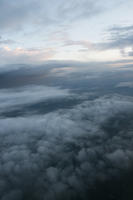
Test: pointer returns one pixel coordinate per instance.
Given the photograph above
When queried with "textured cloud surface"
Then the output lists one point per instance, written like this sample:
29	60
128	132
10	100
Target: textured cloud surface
61	155
66	100
10	99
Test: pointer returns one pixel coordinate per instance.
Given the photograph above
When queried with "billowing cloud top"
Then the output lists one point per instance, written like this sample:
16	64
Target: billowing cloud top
64	153
65	131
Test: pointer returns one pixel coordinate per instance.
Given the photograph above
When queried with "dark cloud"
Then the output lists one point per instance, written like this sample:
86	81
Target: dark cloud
50	65
58	143
62	155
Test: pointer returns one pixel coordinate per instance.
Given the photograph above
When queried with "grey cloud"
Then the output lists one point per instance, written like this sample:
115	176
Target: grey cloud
15	15
125	84
118	43
62	154
50	65
130	53
6	41
121	29
81	9
10	99
120	38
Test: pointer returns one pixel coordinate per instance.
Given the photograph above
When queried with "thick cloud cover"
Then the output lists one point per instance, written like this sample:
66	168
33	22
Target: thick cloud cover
63	154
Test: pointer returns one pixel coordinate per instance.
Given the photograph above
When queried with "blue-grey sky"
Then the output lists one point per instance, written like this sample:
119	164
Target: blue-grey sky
34	31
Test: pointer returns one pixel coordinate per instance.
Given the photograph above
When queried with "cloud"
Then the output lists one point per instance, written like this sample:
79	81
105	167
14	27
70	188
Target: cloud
16	15
120	37
128	84
61	155
6	41
23	55
12	99
81	9
56	66
85	44
130	53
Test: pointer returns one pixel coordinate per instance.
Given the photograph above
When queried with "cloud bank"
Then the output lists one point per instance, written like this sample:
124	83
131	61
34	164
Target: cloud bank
61	155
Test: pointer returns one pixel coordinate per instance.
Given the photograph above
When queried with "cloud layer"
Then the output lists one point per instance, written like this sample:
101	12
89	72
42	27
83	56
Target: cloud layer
13	99
63	154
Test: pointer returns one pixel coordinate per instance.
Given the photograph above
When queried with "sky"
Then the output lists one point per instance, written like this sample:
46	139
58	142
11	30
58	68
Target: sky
66	99
35	31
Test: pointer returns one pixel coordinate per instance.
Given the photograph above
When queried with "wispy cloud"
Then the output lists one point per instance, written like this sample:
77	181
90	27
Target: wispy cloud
21	55
6	41
82	43
15	15
120	37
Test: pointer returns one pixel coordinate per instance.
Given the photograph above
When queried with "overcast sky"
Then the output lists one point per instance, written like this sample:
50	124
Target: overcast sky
33	31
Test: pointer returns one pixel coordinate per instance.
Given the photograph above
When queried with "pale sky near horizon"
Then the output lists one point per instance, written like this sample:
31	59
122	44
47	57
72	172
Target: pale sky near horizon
34	31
